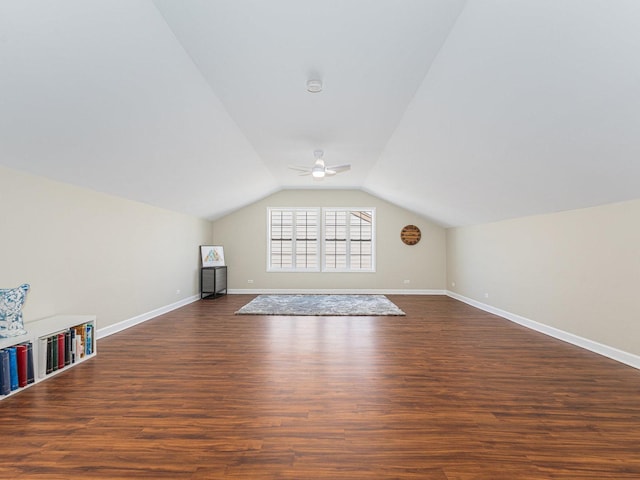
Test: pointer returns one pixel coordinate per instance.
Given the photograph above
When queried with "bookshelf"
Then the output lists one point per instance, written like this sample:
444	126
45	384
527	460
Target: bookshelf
75	342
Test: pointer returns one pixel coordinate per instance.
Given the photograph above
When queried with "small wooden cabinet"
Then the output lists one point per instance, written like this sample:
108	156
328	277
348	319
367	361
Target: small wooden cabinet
213	282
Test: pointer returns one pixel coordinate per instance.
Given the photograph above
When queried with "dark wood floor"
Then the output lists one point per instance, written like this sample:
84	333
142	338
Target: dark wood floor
446	393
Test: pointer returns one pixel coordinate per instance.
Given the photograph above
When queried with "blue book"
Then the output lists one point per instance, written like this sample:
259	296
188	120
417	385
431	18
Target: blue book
13	366
5	373
89	340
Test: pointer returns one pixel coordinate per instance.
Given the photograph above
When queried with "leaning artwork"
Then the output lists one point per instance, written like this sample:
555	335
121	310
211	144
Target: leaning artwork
212	255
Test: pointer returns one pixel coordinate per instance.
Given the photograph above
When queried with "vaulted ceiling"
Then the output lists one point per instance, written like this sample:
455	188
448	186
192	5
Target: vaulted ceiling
462	111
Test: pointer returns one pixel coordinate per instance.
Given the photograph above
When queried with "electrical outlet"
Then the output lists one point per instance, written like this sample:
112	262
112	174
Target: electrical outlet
486	295
249	281
453	284
406	282
178	292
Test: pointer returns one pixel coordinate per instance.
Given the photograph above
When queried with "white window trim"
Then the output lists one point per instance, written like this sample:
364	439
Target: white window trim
318	239
373	241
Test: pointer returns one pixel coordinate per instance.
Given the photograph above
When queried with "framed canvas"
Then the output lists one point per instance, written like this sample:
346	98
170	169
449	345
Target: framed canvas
212	255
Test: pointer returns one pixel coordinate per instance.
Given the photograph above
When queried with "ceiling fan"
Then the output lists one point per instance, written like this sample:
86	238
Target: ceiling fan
319	170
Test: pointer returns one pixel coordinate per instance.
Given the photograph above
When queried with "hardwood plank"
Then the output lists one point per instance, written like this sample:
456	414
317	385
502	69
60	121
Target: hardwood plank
446	393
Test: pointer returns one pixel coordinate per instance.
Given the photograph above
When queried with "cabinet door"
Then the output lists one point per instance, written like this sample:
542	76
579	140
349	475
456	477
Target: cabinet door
221	279
208	280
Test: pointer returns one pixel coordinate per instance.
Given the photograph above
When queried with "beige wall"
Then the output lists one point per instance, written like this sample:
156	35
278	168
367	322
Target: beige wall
577	271
244	237
86	252
89	253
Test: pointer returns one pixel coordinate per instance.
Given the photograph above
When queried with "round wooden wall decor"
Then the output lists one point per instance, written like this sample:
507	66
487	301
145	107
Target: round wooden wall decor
410	235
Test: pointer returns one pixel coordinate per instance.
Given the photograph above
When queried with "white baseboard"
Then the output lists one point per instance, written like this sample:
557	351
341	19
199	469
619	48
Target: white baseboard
333	291
599	348
123	325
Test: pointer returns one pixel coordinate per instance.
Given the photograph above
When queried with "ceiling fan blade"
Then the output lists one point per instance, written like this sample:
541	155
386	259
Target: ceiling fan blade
304	174
300	168
332	170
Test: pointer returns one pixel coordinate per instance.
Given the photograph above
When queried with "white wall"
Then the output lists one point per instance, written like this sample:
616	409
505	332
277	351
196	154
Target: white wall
576	271
89	253
244	237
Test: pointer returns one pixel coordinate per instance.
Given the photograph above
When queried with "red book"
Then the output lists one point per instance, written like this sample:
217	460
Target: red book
60	350
21	353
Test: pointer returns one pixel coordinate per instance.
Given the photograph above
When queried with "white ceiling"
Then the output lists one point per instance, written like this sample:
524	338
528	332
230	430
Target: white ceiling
463	111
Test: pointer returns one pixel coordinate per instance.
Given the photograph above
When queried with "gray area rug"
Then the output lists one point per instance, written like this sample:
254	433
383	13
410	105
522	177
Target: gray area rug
325	305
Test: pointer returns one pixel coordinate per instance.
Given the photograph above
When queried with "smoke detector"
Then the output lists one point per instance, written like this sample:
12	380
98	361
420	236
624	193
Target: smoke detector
314	86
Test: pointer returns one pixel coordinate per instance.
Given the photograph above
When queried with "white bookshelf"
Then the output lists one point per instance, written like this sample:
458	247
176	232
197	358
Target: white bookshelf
37	334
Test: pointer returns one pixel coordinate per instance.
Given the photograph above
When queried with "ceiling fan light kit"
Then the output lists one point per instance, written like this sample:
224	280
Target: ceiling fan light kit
318	171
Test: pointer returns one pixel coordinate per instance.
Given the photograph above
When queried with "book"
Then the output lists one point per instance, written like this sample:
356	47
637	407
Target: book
60	351
31	373
67	347
79	347
80	337
5	373
13	367
21	358
54	353
43	356
49	355
89	339
74	346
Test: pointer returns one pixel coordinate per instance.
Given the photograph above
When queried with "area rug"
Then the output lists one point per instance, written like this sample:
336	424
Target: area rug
324	305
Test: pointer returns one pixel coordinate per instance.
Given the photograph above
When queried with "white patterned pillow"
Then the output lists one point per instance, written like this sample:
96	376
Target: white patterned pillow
11	301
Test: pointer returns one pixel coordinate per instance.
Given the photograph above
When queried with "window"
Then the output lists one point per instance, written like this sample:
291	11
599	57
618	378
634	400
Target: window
346	244
293	239
348	240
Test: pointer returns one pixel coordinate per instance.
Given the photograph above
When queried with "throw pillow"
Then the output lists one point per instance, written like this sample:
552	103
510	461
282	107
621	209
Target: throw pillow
11	301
